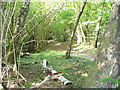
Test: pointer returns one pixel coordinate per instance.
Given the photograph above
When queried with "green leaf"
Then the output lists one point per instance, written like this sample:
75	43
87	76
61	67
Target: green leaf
105	79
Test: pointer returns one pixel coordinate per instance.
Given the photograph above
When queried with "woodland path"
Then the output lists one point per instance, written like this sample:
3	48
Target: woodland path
86	51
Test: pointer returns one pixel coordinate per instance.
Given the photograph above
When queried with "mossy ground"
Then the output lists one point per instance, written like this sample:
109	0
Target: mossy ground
78	70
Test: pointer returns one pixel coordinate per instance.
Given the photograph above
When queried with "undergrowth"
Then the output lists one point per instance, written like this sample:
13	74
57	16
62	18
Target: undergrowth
78	70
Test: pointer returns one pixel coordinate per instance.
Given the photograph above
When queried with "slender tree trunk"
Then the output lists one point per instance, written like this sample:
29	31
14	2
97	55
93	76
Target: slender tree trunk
1	38
22	18
10	56
79	36
74	30
82	32
20	24
97	32
64	35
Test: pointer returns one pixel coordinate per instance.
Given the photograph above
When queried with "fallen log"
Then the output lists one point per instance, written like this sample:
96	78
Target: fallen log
54	75
49	77
53	72
1	87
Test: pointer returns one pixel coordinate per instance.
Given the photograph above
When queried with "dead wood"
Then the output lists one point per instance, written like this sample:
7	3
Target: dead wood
54	72
54	75
49	77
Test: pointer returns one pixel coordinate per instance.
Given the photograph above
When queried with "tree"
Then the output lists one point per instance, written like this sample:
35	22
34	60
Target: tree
1	38
17	40
108	57
73	32
97	32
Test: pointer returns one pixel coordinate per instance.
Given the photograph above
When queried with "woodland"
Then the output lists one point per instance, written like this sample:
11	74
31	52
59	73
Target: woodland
59	44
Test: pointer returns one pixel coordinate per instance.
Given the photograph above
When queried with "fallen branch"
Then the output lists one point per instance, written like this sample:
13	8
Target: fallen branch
49	77
53	72
54	75
21	76
1	87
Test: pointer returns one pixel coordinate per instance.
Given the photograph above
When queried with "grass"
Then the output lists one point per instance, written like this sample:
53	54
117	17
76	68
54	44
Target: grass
78	70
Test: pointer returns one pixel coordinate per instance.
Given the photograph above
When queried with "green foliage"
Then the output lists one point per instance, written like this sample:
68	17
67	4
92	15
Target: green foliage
64	20
58	25
112	81
55	25
25	85
91	13
77	69
106	79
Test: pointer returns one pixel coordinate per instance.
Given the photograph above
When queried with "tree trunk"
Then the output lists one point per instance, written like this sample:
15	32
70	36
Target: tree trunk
82	32
1	38
20	24
31	45
64	35
79	36
97	32
108	57
10	55
118	41
73	32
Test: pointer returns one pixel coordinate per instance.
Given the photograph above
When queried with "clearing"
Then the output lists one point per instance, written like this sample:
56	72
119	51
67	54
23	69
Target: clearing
78	69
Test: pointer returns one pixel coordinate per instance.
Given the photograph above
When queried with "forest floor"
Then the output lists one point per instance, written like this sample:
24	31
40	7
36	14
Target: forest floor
87	51
78	69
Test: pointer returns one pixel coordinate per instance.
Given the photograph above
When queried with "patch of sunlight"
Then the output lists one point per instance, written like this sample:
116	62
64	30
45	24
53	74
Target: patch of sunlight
74	68
78	72
35	54
57	44
77	48
84	74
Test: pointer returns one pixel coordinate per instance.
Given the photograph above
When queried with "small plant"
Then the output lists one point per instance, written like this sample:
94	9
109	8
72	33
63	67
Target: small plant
112	80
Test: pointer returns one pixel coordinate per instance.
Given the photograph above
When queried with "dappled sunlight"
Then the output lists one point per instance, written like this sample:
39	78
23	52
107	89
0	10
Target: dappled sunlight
57	43
75	68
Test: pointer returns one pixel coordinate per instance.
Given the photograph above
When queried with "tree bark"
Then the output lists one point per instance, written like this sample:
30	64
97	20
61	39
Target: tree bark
83	34
79	36
97	32
1	38
108	57
73	32
19	25
64	35
118	41
10	54
22	18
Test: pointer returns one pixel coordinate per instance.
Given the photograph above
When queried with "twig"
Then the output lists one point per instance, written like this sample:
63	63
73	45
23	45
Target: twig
21	76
